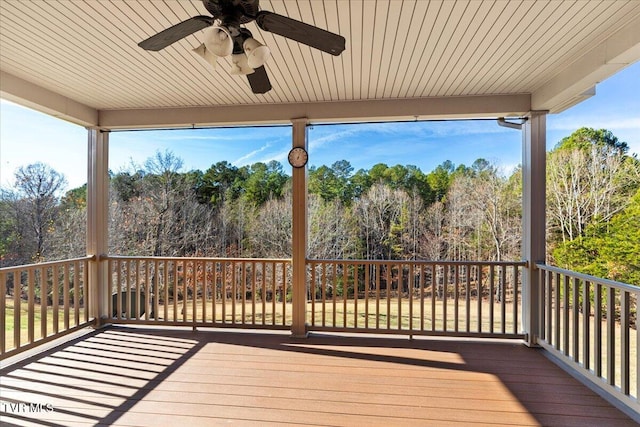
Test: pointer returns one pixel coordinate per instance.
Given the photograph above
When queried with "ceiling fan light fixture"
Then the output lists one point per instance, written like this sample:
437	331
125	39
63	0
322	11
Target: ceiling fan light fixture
257	53
225	35
206	55
218	40
240	65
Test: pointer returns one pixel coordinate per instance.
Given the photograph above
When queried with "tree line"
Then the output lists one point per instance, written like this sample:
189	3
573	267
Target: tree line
454	212
593	206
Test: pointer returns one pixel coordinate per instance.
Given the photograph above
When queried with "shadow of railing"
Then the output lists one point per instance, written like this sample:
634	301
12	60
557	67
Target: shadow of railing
101	377
112	371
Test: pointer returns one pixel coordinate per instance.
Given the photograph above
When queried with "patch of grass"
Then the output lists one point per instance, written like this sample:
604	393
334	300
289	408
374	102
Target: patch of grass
38	321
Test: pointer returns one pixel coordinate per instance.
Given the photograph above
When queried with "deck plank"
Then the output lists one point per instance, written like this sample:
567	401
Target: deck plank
149	377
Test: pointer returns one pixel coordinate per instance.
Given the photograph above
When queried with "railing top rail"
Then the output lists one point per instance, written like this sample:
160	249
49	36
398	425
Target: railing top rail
420	262
45	264
209	259
593	279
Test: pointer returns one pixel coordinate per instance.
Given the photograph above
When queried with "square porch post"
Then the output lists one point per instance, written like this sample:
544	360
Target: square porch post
534	141
299	234
97	216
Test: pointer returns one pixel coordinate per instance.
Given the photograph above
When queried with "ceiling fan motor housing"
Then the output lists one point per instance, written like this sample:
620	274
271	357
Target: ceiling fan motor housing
233	11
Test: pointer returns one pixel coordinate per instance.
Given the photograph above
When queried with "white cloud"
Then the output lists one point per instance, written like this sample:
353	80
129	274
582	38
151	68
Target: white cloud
330	134
188	137
571	123
245	159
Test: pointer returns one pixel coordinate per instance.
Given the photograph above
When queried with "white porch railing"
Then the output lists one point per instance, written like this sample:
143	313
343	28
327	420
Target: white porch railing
41	302
590	324
406	297
587	323
416	297
200	291
403	297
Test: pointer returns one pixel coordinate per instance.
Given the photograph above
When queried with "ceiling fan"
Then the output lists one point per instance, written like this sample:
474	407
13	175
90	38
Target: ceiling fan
226	35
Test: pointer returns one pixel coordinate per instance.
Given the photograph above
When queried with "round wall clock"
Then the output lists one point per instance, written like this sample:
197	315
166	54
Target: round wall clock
298	157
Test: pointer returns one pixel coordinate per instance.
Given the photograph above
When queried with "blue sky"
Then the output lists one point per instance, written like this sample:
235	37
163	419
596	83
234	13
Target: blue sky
27	136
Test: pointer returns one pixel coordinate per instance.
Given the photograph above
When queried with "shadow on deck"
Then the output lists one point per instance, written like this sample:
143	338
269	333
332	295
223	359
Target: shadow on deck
150	377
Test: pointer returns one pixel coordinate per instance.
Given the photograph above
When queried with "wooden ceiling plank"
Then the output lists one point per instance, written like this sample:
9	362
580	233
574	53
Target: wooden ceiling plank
103	25
369	36
422	22
589	34
445	37
356	12
299	57
46	82
385	22
305	58
510	44
420	67
313	13
465	29
540	46
489	42
402	40
280	73
59	56
498	37
335	66
459	61
393	45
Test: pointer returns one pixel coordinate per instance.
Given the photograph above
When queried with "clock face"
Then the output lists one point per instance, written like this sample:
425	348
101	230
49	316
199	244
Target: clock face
298	157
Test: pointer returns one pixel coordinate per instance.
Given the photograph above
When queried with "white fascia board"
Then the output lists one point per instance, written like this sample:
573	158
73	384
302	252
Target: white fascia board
30	95
576	82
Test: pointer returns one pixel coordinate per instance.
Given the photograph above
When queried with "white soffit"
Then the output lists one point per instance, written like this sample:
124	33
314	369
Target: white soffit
79	60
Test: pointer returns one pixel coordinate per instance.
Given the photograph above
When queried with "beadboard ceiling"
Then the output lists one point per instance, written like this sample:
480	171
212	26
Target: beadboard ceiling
79	60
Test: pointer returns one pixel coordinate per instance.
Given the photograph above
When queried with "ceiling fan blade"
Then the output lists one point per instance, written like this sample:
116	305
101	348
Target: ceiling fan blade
301	32
177	32
259	80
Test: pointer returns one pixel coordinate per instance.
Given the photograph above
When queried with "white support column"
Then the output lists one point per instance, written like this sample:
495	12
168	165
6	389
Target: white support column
299	231
534	141
97	216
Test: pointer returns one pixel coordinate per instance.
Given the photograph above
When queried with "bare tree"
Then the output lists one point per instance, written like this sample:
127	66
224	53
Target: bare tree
412	225
500	215
332	231
463	220
433	244
35	199
159	214
377	212
270	231
586	185
159	189
68	237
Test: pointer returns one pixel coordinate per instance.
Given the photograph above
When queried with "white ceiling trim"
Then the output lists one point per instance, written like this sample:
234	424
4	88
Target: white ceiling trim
318	112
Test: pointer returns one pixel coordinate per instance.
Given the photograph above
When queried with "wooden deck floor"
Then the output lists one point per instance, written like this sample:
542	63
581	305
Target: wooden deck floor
151	377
